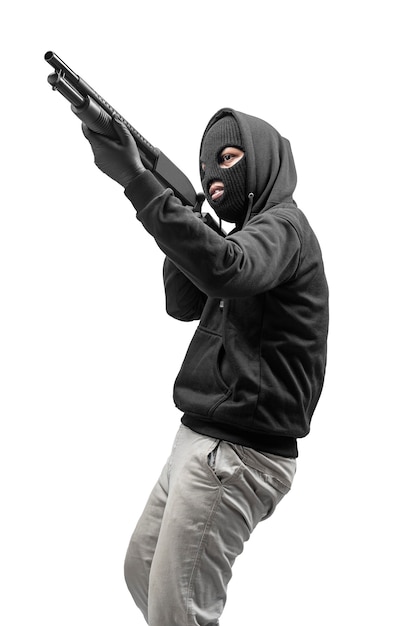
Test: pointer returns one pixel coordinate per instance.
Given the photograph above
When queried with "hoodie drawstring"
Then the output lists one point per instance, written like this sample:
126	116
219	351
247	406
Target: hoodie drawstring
248	213
250	206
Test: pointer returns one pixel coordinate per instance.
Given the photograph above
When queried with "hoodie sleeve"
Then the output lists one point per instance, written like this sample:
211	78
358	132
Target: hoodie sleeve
184	301
256	259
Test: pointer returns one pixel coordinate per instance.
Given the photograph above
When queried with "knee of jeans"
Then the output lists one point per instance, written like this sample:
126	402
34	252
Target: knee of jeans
128	568
136	580
134	575
131	566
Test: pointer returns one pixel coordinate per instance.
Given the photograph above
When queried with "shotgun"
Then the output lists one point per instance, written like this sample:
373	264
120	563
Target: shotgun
97	114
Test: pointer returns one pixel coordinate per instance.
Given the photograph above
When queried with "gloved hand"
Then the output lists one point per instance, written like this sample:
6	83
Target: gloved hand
119	159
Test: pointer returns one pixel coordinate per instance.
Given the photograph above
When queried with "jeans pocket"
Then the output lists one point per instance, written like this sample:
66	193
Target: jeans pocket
224	462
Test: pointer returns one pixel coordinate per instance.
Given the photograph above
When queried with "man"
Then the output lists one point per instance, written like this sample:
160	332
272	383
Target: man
254	370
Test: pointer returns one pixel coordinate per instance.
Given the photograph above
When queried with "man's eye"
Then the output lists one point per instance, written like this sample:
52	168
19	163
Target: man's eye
226	157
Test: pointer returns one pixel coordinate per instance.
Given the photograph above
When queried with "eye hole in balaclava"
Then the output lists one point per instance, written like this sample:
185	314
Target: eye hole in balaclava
231	205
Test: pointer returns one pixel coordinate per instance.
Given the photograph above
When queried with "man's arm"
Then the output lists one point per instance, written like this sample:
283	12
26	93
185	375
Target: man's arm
255	259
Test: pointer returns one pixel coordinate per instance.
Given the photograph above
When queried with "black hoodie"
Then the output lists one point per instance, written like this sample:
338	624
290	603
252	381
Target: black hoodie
255	367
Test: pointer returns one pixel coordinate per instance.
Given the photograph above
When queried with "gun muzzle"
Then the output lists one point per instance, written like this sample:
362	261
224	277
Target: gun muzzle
60	66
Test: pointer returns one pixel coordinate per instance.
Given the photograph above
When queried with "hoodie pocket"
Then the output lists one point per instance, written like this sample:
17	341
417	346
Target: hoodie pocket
199	387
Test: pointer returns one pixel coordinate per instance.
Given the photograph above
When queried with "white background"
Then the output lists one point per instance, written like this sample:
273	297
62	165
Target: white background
88	355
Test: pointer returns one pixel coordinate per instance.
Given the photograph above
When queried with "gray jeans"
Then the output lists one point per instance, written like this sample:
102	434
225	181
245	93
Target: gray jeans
209	498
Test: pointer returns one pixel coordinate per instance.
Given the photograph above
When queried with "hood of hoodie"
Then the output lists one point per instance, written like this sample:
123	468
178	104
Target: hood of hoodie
271	173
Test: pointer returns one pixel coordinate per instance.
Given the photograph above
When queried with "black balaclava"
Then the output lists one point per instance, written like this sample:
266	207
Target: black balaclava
231	206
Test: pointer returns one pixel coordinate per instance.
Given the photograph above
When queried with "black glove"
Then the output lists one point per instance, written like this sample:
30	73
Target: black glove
119	159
